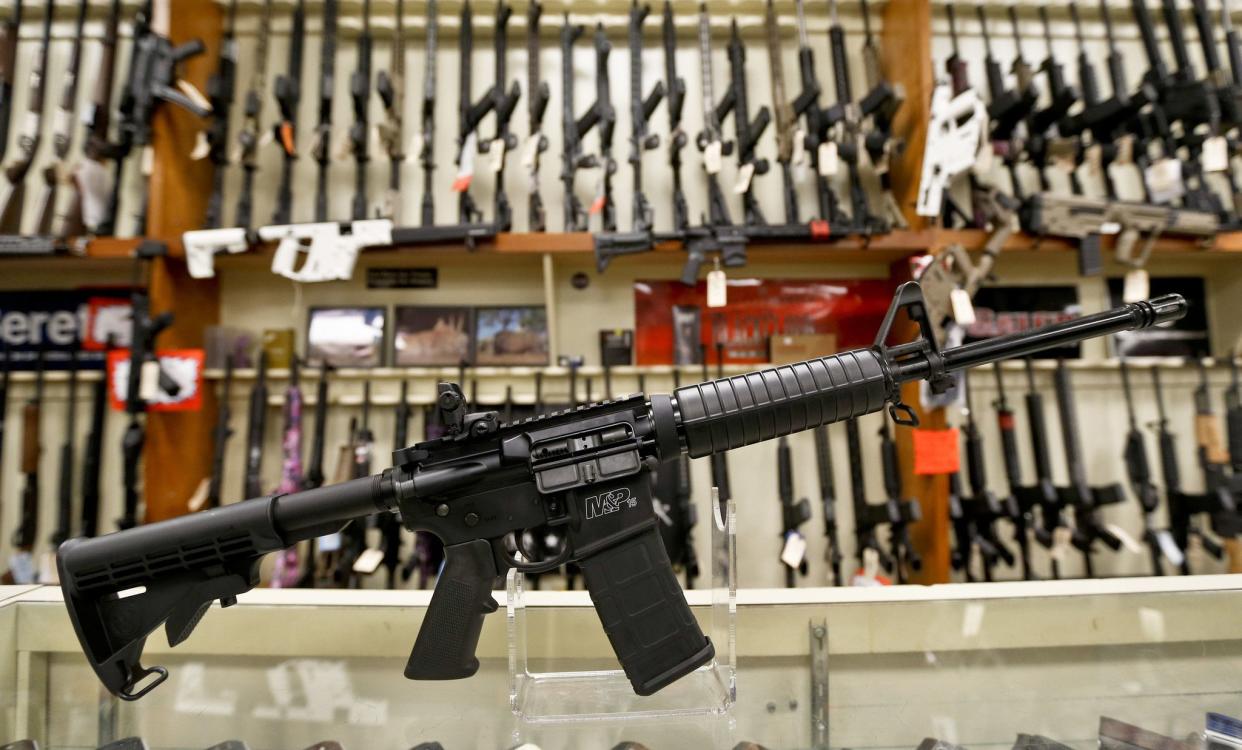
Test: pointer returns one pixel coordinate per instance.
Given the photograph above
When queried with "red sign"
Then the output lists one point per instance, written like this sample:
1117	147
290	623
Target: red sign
757	309
936	452
184	366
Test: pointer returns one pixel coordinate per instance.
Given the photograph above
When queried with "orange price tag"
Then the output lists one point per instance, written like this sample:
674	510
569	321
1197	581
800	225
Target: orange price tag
936	452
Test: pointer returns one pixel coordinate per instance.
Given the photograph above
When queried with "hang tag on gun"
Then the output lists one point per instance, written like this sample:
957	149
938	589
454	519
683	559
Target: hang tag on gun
149	380
794	551
1164	180
369	561
1132	546
717	287
963	308
465	169
530	152
202	147
712	157
1061	538
1137	286
744	176
1169	548
1215	154
829	162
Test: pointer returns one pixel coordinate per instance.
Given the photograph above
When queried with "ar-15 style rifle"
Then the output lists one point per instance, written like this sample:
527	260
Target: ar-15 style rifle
1054	531
221	88
849	139
64	488
819	120
92	460
22	568
360	131
785	115
1183	507
1012	144
220	438
256	429
313	477
747	132
1045	127
63	126
90	179
10	30
30	136
794	513
503	105
288	570
573	129
288	93
1213	460
427	156
899	512
1138	470
675	87
882	103
828	502
983	507
469	115
536	105
1086	499
586	471
1025	499
1007	108
677	511
605	127
1228	89
390	85
252	125
321	150
388	523
641	139
866	520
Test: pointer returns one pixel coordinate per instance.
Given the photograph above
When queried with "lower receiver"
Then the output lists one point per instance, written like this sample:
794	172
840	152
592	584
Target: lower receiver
586	471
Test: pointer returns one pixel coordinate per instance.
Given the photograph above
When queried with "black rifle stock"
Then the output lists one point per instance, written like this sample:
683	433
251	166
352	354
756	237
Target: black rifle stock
641	109
30	136
252	126
288	94
1216	484
360	130
221	88
256	431
584	471
1138	471
322	147
536	106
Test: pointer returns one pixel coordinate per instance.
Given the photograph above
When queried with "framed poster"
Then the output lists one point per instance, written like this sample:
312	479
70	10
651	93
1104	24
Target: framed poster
346	336
511	336
432	336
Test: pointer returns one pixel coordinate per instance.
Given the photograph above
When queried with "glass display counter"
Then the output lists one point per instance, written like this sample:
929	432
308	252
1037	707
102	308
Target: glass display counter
856	668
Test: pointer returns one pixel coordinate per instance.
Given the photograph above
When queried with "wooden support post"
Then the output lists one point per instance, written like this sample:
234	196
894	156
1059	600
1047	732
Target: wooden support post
178	448
907	60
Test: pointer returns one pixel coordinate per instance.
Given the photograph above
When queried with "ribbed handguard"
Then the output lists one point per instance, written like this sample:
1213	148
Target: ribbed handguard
725	414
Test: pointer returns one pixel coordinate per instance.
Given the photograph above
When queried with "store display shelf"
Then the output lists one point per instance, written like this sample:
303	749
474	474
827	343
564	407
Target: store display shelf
78	250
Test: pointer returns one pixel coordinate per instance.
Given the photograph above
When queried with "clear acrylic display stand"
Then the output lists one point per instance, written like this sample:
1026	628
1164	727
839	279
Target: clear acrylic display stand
576	696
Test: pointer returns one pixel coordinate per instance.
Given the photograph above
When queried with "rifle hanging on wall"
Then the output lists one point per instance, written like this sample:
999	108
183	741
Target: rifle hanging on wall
288	93
641	138
30	136
536	105
252	126
390	85
63	125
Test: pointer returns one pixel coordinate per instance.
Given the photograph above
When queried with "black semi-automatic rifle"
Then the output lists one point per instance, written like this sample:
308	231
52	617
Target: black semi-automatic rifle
605	128
1213	460
312	477
883	100
64	488
786	119
1044	127
503	105
984	507
1025	498
1007	108
144	329
390	85
849	136
866	521
21	562
63	125
220	437
1013	144
389	525
360	130
288	93
469	115
536	105
723	236
427	156
965	538
794	513
819	120
1183	507
92	459
91	177
679	516
747	131
10	30
30	136
1084	498
586	472
256	431
252	125
321	150
675	88
221	88
898	511
1053	531
641	138
574	129
828	502
1138	470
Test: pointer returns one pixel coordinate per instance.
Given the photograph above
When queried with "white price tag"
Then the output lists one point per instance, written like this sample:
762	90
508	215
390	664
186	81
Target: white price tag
530	152
712	157
829	163
369	561
47	568
1216	154
1109	227
1164	180
1125	151
148	161
717	288
329	543
794	551
743	178
1137	286
416	143
963	308
1132	546
869	575
497	151
267	139
199	498
1061	538
984	159
465	169
202	148
149	380
1169	548
799	153
1094	159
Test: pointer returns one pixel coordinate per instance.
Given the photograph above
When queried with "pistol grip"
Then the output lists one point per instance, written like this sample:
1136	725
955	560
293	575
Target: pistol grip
444	649
644	613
